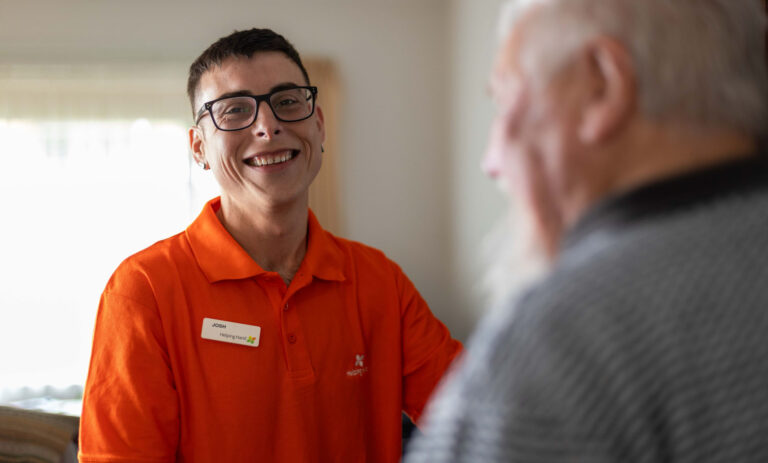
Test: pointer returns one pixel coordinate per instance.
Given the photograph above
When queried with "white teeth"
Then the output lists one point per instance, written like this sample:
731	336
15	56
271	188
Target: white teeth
268	160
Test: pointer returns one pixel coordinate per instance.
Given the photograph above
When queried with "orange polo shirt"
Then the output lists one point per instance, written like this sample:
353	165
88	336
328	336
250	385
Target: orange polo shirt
336	357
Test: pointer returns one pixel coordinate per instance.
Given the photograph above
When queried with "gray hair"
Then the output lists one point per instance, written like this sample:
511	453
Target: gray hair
698	62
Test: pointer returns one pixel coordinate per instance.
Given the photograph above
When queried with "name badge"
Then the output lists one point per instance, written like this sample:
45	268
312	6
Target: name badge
236	333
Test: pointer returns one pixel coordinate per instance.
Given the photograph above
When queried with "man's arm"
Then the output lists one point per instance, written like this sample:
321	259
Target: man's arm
130	405
427	347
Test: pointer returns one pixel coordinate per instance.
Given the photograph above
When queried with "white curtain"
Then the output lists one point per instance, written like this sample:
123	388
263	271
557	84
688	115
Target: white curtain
94	167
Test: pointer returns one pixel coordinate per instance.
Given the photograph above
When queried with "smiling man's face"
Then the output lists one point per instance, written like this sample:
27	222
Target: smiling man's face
271	163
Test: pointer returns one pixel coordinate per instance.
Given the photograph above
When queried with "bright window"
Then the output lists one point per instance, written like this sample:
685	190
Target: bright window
79	197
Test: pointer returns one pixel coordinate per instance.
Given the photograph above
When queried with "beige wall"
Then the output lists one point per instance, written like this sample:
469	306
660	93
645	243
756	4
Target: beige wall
414	111
476	204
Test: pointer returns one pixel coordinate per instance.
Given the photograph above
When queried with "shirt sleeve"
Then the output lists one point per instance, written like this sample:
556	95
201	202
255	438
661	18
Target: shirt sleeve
130	405
428	348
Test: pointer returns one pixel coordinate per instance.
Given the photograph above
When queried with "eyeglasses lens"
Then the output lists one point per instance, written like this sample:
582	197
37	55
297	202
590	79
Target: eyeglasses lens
239	112
292	104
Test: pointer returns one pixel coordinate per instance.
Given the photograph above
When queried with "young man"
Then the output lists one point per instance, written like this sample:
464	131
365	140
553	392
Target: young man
255	335
631	132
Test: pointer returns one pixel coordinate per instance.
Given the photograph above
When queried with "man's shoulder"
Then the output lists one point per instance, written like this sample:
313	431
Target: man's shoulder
640	282
363	255
681	250
161	252
155	261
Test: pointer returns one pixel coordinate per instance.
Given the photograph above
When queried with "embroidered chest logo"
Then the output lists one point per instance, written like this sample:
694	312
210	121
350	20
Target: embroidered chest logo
360	367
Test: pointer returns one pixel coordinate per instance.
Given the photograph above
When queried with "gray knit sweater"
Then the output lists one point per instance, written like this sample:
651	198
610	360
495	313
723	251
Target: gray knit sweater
648	342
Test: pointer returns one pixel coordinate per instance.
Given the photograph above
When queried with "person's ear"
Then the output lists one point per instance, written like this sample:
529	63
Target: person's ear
197	145
321	123
613	98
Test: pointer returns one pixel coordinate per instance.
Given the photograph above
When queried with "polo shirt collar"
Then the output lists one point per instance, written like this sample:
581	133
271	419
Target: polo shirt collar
220	257
324	258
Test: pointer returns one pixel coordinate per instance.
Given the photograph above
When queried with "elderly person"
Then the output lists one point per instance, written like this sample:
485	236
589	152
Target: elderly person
255	335
631	132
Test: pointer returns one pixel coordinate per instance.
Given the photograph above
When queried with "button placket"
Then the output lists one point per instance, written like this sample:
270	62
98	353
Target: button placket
289	324
295	344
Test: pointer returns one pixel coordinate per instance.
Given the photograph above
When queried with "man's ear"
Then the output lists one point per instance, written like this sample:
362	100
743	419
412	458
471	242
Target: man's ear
197	144
614	91
321	123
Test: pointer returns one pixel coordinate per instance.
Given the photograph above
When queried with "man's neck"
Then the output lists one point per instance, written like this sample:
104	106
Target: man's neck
652	152
667	153
275	237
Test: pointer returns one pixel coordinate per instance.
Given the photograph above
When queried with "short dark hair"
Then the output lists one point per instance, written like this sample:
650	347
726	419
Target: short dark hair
239	43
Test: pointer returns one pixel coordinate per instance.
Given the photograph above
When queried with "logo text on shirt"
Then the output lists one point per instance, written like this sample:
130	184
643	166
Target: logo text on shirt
360	367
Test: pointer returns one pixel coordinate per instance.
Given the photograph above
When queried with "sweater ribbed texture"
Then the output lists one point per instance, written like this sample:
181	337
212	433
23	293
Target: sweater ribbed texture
647	342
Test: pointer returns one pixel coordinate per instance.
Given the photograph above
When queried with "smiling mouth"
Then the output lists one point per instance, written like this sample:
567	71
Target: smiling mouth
271	158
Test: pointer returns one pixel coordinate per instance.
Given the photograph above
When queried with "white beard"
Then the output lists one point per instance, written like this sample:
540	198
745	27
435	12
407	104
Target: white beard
514	257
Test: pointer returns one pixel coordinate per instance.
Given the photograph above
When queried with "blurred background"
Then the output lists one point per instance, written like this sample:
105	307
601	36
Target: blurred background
94	164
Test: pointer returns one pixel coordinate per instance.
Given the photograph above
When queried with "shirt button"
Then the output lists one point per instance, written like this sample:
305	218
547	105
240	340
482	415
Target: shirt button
285	307
292	338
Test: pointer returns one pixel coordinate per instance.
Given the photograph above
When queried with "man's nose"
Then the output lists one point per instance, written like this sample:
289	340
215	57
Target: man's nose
266	124
489	166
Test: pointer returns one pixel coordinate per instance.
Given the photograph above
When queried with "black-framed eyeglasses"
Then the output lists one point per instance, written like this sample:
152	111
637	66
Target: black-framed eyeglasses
232	113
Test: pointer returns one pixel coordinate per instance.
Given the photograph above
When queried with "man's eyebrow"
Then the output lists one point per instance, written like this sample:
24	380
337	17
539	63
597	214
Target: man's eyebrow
283	86
237	93
276	88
